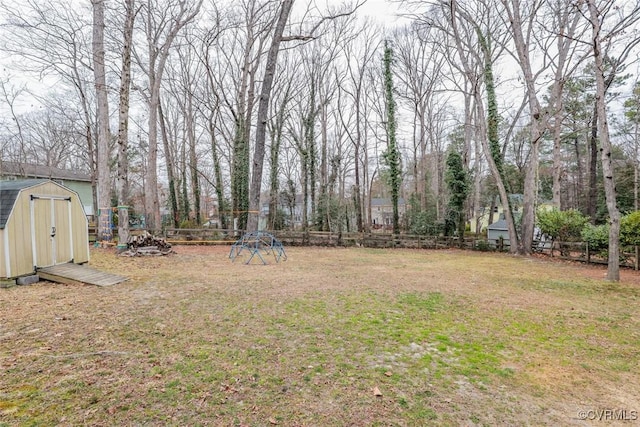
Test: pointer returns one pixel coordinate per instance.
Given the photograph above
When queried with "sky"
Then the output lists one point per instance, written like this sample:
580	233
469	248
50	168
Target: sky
383	11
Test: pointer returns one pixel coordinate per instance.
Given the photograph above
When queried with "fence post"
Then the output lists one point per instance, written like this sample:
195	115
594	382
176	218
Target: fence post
588	253
637	254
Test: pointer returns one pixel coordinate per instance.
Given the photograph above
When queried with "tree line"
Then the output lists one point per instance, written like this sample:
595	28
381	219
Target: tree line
201	106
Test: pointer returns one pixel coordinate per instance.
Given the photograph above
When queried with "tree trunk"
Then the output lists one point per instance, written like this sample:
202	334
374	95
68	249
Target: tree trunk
102	101
537	117
122	184
592	199
158	55
217	171
263	109
193	160
274	163
613	266
171	168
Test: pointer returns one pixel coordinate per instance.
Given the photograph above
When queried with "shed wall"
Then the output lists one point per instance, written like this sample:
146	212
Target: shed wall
3	263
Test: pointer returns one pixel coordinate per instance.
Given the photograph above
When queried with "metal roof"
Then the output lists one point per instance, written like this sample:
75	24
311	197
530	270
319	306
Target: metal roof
9	191
498	225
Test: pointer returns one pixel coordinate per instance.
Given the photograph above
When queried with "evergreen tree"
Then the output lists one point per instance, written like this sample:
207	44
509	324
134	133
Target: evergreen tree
458	184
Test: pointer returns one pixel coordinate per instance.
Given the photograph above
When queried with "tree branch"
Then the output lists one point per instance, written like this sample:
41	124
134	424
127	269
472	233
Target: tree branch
311	36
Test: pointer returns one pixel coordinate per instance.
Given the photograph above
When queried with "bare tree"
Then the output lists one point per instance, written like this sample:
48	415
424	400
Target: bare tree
359	57
522	20
53	40
122	182
487	130
568	26
104	134
421	75
265	93
263	109
623	16
162	23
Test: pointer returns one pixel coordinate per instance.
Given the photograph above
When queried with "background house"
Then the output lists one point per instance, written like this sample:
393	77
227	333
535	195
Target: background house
79	182
291	208
382	211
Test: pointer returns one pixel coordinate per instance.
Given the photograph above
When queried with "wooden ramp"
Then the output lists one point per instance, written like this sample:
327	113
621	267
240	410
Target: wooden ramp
78	274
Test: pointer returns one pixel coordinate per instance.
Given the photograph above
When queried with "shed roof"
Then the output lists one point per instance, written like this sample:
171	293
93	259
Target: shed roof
9	191
498	225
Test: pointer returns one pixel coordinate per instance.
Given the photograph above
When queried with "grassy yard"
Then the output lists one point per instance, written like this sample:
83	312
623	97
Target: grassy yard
330	337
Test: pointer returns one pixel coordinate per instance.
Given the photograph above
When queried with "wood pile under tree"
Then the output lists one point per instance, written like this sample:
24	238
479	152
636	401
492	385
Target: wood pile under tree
147	244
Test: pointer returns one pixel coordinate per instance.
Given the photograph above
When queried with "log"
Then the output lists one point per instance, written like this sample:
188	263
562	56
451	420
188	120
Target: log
146	244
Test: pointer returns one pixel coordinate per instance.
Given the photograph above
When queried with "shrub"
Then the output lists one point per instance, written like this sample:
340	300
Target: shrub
188	223
597	237
482	245
630	229
564	226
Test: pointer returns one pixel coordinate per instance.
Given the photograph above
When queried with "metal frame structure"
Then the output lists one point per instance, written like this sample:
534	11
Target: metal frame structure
258	243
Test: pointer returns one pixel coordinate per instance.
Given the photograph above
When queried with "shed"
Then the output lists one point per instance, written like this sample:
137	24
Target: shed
42	223
497	230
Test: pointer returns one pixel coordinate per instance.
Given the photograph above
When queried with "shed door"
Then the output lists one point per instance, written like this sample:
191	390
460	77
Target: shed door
51	232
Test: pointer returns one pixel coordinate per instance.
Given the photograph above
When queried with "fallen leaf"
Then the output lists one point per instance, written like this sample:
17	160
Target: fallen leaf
388	373
273	421
377	392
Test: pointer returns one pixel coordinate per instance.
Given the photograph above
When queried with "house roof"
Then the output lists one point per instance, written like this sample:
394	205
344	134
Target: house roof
9	191
29	170
378	201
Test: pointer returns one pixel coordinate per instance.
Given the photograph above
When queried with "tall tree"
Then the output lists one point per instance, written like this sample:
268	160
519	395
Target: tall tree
122	181
487	123
263	110
104	134
162	23
566	21
392	154
52	40
632	128
624	16
263	105
522	21
352	95
458	186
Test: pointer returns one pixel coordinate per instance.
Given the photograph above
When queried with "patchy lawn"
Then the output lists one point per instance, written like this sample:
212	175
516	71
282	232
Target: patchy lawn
329	337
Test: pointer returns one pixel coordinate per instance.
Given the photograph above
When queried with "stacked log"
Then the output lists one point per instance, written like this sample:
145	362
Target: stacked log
147	245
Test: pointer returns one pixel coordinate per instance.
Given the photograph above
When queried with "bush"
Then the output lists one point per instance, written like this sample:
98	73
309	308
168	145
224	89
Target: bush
188	223
630	229
564	226
482	245
597	237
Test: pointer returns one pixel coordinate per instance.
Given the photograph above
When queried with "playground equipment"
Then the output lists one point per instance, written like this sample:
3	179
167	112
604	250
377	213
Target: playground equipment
258	243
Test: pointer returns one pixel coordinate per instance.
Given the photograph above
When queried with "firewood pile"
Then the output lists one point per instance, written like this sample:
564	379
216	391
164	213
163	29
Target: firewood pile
147	245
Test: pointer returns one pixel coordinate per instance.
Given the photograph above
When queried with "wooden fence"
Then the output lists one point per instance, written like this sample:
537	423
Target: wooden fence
574	251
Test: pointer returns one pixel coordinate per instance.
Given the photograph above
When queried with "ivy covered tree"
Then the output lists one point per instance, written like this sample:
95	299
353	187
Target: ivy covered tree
391	156
458	185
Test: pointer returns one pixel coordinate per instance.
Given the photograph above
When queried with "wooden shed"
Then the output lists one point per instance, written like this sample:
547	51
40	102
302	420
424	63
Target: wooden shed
42	223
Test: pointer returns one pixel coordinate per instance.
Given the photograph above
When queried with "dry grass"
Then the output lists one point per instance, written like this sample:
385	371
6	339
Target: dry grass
446	337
